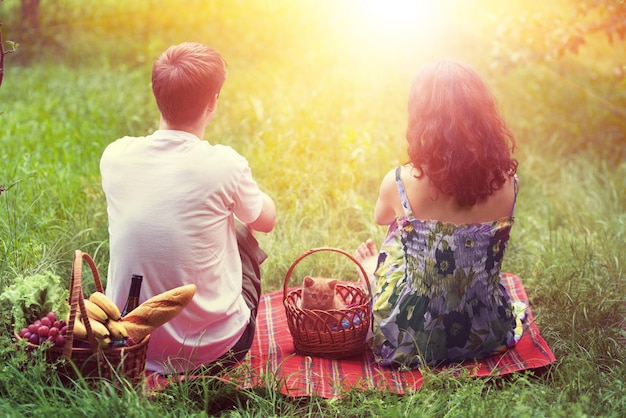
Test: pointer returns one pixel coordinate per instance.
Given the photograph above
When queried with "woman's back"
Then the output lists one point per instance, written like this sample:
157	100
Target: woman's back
427	203
438	295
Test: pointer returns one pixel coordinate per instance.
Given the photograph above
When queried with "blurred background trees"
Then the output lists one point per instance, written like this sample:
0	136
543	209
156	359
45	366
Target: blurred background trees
573	58
30	13
569	54
535	36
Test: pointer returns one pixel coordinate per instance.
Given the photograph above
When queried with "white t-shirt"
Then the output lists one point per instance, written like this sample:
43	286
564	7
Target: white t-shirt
171	201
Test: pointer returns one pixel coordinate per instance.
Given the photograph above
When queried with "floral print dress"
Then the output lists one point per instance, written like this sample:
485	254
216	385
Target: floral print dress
438	296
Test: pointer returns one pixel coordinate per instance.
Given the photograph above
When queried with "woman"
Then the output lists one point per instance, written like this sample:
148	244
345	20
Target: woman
450	209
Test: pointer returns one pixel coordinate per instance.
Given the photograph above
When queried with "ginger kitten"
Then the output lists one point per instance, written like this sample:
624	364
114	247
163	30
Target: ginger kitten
320	293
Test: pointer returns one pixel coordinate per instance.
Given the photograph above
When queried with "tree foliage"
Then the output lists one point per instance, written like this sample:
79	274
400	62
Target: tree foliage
572	56
532	37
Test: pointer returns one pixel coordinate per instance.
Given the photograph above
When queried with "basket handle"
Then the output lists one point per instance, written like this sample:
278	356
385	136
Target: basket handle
315	250
77	301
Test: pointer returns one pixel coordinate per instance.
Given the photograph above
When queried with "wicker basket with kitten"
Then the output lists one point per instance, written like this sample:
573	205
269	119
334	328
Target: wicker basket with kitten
328	317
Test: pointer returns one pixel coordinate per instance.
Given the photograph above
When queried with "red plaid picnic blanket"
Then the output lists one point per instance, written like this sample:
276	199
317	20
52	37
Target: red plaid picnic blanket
273	354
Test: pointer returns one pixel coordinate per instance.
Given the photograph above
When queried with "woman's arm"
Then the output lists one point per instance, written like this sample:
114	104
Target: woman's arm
384	212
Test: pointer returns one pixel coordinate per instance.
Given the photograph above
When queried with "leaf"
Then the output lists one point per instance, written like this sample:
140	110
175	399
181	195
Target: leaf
31	297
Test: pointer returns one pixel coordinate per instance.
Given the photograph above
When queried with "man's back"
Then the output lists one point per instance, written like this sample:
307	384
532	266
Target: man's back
170	201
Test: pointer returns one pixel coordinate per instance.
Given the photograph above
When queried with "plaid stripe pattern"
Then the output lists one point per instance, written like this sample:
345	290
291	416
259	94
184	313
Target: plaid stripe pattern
272	358
272	352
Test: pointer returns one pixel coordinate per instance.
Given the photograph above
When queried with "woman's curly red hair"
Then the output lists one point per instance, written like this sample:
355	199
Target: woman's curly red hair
456	135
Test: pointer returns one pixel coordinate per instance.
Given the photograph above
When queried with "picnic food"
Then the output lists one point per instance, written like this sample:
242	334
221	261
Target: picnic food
95	312
117	330
79	328
156	311
100	331
104	318
133	294
47	328
106	305
107	330
31	297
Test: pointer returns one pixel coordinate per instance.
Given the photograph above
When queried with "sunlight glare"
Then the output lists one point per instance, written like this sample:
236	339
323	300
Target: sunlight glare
396	24
395	15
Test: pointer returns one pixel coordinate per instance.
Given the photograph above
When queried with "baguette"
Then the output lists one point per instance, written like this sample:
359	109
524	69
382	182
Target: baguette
156	311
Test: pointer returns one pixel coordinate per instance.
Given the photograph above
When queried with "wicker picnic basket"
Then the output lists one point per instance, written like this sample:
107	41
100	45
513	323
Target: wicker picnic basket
89	360
330	334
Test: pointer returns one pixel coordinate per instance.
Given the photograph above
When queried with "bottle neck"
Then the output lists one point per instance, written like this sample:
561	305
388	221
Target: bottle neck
133	294
135	287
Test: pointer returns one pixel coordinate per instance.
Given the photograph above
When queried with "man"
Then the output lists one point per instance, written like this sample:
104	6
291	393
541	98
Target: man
181	211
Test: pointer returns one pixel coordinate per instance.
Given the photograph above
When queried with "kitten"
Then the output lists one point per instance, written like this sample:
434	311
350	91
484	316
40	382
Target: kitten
320	293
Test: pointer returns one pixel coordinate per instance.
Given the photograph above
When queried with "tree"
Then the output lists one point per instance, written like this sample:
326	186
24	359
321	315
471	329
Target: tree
588	104
527	38
595	16
30	13
3	53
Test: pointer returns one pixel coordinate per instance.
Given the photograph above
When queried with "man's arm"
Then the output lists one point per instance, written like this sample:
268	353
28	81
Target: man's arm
267	218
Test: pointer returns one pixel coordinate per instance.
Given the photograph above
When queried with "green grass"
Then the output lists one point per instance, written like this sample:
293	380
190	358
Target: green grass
320	114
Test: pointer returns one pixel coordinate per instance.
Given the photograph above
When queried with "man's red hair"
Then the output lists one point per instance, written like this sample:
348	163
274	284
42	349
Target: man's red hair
185	78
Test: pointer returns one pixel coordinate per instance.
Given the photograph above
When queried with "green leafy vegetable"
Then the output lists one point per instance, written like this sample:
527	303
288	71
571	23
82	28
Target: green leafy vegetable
32	297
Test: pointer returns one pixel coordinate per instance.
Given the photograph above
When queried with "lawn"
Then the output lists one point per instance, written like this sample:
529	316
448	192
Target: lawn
316	101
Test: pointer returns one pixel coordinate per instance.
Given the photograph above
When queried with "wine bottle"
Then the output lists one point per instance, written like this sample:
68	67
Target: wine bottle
133	294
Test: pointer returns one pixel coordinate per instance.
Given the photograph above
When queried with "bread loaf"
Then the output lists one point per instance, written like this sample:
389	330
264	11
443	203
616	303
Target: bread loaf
156	311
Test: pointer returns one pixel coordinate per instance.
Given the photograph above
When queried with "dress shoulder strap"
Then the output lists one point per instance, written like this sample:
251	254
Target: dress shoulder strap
516	188
402	193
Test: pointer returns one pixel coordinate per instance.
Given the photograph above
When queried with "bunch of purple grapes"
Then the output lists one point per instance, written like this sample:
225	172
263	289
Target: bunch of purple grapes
48	328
